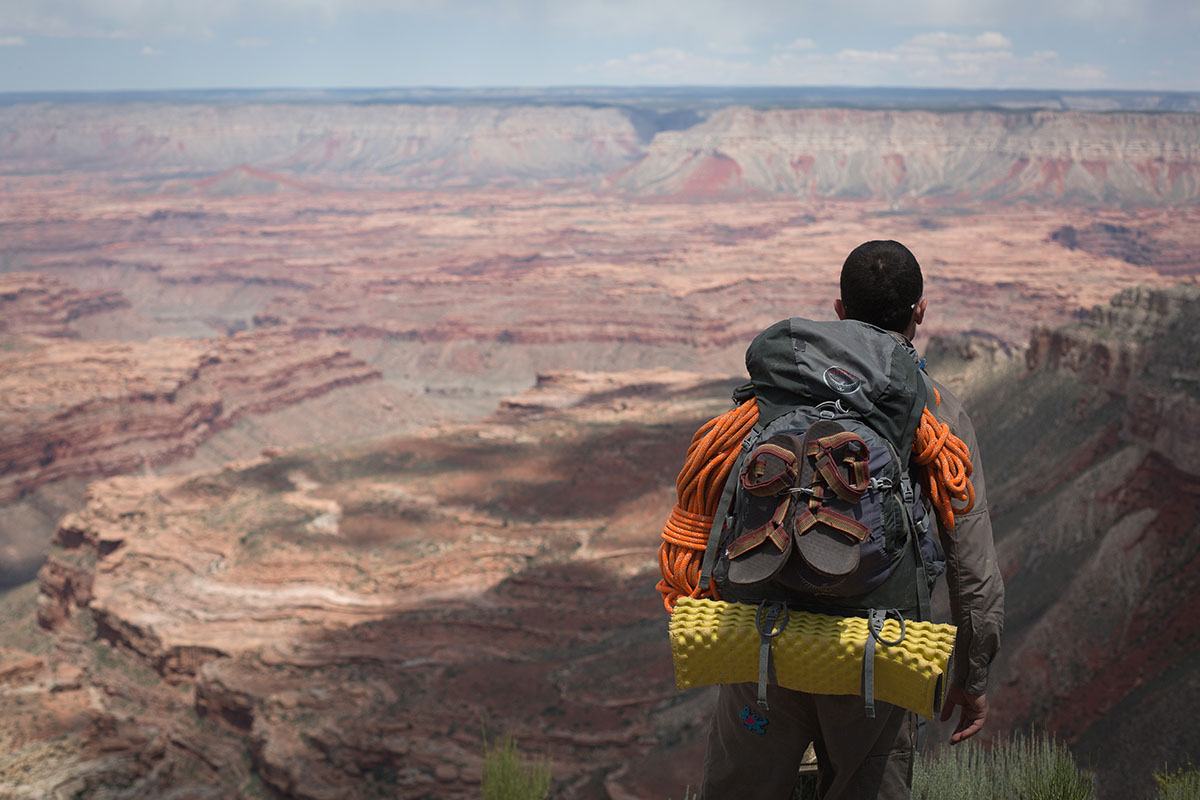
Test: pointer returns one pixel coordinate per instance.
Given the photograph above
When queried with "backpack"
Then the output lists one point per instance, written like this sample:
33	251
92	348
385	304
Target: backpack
820	511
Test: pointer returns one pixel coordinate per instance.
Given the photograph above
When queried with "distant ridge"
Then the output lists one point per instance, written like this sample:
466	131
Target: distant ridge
689	144
660	97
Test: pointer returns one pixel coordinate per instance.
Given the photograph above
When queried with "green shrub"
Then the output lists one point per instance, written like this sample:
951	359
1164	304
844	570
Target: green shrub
1183	784
1016	769
506	778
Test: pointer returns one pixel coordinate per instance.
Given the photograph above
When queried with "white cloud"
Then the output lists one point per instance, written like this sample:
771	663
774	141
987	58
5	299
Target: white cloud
184	18
932	59
671	65
1088	75
150	51
798	44
940	40
252	41
726	23
730	48
11	41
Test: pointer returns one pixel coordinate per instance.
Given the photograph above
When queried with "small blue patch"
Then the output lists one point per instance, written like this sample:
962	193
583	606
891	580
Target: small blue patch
753	722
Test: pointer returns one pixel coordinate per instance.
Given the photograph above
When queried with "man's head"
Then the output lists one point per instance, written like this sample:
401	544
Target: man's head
882	285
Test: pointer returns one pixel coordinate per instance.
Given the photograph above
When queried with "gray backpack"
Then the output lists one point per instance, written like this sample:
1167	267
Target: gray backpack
820	511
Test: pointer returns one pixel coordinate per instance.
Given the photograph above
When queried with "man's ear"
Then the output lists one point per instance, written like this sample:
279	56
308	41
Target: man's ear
919	311
839	309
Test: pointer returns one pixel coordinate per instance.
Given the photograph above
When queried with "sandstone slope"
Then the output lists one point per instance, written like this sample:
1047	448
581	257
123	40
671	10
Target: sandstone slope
901	156
1095	487
413	145
32	304
350	615
93	409
898	156
353	615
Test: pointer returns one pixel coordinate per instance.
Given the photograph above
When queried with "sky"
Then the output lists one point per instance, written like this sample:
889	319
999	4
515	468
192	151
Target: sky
102	45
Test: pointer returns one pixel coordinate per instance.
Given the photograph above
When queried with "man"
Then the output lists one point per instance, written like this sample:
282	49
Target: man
863	757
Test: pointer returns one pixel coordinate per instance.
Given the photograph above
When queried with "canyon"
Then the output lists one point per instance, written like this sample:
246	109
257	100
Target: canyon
334	432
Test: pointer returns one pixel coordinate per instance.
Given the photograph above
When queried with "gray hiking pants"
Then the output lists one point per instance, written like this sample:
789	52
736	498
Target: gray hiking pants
860	758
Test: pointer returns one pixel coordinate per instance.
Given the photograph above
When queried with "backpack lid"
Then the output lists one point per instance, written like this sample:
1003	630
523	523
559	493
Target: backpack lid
798	362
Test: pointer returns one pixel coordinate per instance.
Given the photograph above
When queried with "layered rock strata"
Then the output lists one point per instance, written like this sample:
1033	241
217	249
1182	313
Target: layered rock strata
84	409
353	615
415	145
1094	480
1141	346
897	156
32	304
901	156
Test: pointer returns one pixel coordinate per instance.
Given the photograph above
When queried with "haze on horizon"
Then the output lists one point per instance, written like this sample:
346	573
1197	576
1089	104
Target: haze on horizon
105	45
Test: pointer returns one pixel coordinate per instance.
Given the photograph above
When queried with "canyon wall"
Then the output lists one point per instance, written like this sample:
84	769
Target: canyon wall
40	305
311	607
347	618
898	156
1090	449
941	157
91	409
413	145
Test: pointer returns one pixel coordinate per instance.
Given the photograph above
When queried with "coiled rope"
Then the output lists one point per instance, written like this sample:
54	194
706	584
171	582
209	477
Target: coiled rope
944	469
709	460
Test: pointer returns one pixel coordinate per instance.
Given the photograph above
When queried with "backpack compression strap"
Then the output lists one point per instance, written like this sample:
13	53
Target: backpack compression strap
718	523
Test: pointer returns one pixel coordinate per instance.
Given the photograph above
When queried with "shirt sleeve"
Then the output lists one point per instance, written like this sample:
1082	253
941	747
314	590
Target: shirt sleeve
973	577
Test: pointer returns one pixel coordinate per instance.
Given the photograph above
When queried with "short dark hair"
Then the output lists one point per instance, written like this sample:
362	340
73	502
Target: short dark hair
881	284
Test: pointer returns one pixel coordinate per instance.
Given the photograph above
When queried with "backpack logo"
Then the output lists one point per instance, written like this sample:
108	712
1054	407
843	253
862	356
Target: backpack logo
842	380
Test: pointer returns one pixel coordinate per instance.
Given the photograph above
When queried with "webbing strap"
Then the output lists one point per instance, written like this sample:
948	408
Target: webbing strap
908	498
763	478
875	619
772	529
847	525
718	523
825	450
770	619
923	612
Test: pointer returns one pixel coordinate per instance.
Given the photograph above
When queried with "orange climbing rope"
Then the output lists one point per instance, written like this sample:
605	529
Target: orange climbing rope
709	460
945	473
945	463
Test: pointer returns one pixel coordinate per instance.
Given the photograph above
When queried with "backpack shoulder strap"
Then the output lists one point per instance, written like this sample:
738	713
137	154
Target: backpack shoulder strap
718	523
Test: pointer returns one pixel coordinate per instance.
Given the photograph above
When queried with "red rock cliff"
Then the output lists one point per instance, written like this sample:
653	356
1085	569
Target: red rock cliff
84	409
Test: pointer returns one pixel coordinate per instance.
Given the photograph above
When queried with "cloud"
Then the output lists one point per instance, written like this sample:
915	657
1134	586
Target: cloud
727	23
150	51
251	41
932	59
797	44
730	48
989	40
670	65
189	18
11	41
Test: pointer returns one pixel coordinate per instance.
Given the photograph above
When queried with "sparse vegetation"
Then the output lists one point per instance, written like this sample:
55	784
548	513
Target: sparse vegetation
1020	768
505	777
1183	784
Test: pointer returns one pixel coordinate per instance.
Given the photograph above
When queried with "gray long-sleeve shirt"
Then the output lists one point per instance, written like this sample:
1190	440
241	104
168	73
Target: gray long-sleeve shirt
972	572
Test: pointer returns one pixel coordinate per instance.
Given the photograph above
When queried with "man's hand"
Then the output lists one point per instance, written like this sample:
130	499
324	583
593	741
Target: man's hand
974	712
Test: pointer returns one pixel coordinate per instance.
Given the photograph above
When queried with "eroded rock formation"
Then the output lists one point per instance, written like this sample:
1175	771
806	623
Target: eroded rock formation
352	616
897	156
40	305
947	157
85	409
347	617
1094	481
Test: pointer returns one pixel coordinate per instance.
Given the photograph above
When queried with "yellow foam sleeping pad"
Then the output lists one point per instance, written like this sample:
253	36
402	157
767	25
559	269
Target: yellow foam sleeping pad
713	642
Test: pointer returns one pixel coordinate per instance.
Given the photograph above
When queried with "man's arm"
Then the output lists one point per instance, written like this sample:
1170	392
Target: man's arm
975	586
